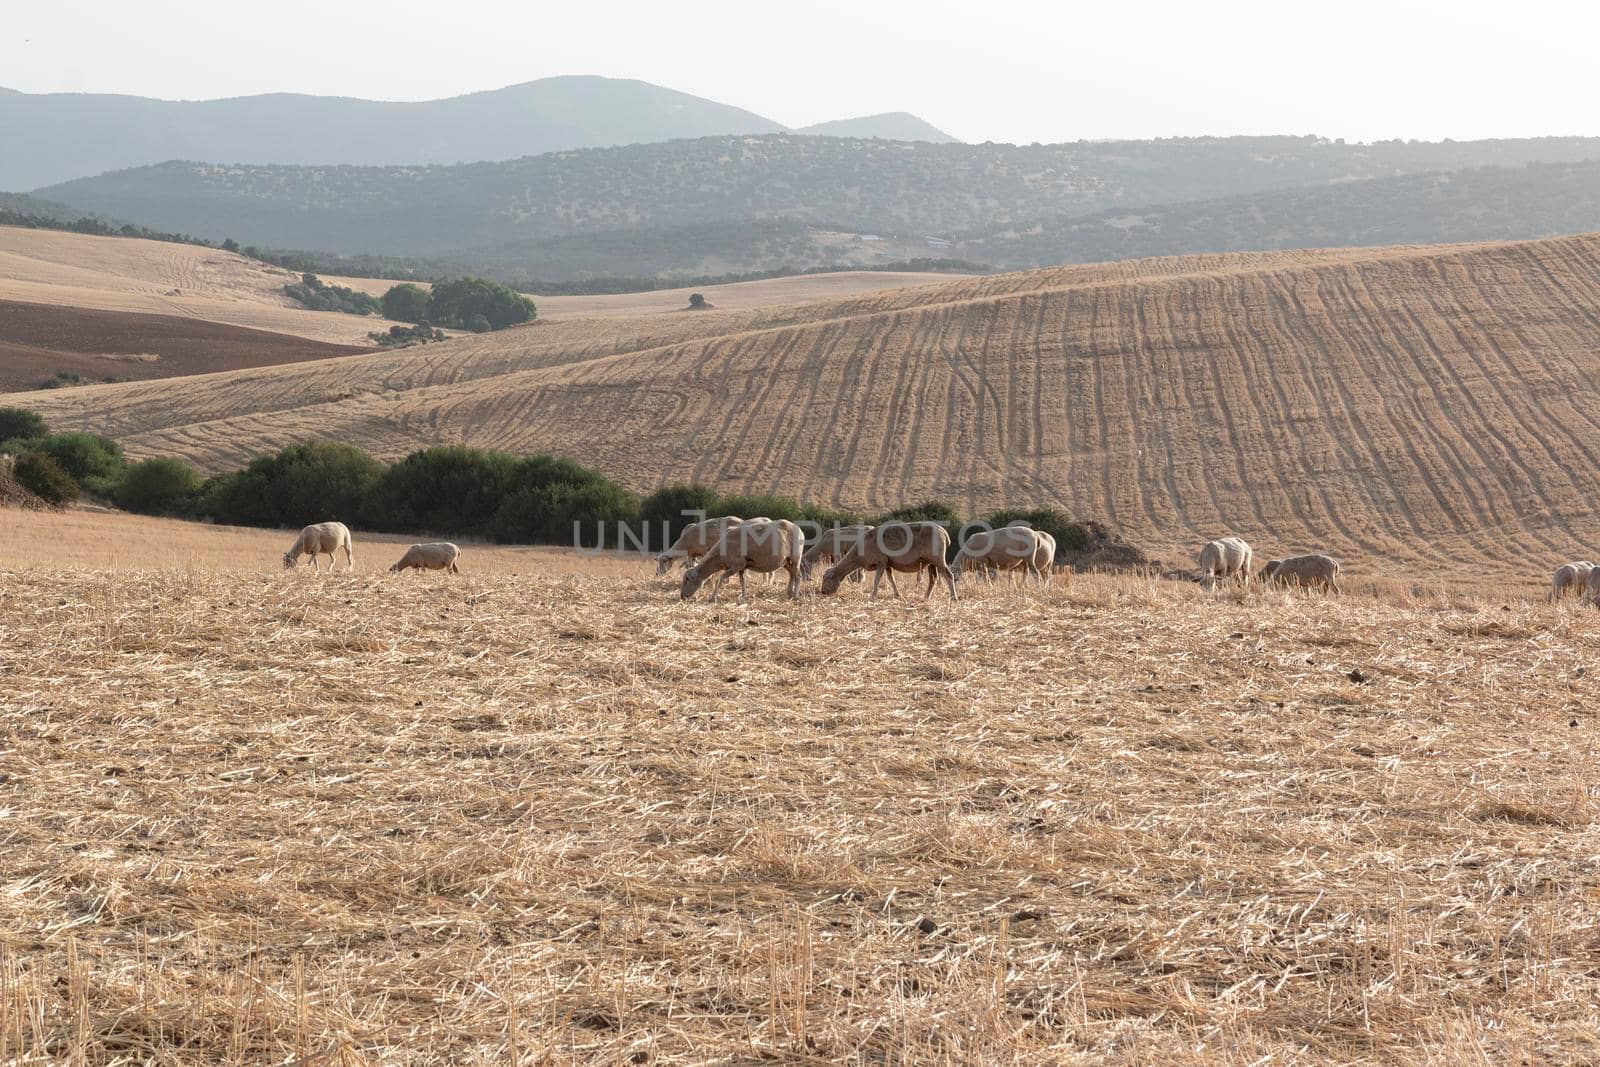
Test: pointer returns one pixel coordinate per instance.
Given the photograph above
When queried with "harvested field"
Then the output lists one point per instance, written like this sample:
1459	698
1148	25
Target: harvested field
562	817
123	274
733	296
1431	407
39	341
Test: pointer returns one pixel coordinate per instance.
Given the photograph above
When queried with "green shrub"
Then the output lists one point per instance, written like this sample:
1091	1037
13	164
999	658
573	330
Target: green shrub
405	303
314	481
20	423
314	293
927	511
664	513
1070	536
460	302
588	515
94	462
444	489
45	478
159	486
749	506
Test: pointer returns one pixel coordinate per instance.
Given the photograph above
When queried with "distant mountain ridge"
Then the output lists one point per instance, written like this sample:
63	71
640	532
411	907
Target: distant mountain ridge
889	126
55	137
717	205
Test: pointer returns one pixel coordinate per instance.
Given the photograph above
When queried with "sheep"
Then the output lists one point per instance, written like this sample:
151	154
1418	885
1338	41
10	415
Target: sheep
760	545
897	546
1307	572
1228	557
1592	594
1044	561
1571	578
831	545
1010	548
322	537
436	556
696	540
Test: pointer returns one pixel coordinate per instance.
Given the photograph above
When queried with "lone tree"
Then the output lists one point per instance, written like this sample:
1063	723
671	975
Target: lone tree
697	300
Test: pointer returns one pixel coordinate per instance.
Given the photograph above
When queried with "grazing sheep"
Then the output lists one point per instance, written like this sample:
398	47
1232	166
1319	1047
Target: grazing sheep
696	540
1571	579
831	545
760	545
435	556
1306	572
314	540
1045	560
1010	548
1228	557
906	547
1592	594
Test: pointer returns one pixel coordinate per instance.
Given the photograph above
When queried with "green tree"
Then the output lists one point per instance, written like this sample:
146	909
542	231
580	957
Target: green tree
455	303
43	477
93	461
21	424
697	300
406	303
159	486
314	481
665	512
448	489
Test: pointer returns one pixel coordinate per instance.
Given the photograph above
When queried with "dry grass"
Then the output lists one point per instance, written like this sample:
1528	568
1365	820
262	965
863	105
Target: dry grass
155	277
1435	406
564	818
740	296
90	539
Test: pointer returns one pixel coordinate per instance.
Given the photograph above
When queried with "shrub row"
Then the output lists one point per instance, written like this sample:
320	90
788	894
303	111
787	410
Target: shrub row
446	491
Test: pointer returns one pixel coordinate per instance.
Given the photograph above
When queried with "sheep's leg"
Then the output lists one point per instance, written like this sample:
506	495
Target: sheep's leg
877	579
794	580
349	557
933	578
950	581
744	590
894	586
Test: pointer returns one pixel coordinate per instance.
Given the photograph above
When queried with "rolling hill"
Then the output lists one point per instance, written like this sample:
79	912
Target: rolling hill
1412	405
889	126
54	137
719	204
117	274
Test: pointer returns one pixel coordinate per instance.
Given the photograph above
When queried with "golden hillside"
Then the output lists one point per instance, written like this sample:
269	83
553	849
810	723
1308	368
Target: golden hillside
1429	404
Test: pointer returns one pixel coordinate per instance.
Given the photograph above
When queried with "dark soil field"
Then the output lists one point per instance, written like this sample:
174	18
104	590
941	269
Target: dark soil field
40	341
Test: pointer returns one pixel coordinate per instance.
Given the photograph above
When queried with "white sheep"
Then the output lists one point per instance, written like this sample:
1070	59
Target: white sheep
696	540
434	556
322	537
1571	579
1306	572
1227	557
760	545
1010	548
906	547
830	547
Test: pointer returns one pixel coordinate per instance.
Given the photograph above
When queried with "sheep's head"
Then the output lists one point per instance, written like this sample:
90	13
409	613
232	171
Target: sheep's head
663	564
1269	570
830	581
806	567
692	580
290	560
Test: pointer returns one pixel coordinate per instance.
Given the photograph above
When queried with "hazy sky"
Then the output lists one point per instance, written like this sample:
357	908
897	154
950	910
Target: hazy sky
980	70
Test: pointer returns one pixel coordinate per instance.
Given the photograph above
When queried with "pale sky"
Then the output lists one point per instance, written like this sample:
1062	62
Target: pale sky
992	70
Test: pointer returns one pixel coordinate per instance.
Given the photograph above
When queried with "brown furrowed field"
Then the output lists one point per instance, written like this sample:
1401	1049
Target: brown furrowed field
1432	407
123	274
557	816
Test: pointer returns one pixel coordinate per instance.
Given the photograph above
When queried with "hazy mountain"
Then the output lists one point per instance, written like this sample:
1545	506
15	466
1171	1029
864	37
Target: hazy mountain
890	126
724	204
1484	204
56	136
23	204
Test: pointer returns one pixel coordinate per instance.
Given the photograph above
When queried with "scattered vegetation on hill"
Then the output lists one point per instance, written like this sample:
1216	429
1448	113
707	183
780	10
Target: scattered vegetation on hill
405	336
312	292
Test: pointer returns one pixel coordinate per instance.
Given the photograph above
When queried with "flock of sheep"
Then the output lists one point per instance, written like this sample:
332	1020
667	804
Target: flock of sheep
730	546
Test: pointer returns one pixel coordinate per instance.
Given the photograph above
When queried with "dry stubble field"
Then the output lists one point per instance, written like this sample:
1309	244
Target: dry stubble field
560	817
